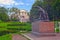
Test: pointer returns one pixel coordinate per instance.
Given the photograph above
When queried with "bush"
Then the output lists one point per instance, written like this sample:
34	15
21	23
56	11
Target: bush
13	28
0	21
7	32
57	30
12	31
4	32
16	25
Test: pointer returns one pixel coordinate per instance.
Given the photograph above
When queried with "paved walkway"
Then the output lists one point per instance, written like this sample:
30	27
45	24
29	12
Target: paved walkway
18	37
34	37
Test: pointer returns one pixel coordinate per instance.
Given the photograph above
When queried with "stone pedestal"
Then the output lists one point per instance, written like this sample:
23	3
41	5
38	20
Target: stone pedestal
43	28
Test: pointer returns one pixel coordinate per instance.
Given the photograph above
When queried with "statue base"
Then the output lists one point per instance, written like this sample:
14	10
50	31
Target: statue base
43	28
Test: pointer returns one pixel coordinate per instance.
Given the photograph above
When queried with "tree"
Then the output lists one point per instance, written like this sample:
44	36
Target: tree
53	9
34	12
13	9
51	6
3	14
56	8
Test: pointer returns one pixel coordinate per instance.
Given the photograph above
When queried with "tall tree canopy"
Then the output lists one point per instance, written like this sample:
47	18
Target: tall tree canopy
34	14
3	14
51	6
13	9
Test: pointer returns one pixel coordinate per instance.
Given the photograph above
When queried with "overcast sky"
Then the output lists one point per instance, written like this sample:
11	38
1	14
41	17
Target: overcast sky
21	4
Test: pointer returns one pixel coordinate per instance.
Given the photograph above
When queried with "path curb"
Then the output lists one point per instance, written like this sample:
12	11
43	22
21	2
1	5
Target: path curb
27	36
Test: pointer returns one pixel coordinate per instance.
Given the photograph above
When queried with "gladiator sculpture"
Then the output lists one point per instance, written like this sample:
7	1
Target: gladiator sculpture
43	15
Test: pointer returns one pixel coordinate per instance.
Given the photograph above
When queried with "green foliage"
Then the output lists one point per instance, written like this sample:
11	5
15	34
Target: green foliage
7	28
2	29
3	14
15	26
4	33
0	21
51	6
57	30
14	9
14	19
56	7
34	12
6	37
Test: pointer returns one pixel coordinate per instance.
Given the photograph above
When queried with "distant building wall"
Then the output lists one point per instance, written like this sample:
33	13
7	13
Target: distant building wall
21	15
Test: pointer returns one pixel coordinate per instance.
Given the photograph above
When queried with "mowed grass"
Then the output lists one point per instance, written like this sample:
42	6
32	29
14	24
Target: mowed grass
3	29
15	25
6	37
7	28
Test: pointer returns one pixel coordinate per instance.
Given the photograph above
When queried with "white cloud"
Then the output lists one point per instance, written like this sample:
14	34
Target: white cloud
1	5
19	3
27	4
16	3
7	2
8	6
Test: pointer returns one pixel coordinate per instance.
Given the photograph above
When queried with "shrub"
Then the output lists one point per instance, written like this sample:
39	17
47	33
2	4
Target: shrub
57	30
4	32
16	25
0	21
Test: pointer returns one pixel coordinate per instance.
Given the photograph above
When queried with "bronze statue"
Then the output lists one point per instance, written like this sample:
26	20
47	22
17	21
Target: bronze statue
43	15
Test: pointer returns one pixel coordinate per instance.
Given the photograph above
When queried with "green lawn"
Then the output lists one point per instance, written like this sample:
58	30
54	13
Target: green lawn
6	37
3	29
12	27
15	26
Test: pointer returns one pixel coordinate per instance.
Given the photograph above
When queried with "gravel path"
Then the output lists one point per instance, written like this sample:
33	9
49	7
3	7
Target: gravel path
18	37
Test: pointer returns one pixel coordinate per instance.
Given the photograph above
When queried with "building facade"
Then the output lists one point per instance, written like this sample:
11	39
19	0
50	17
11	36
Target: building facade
21	15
